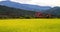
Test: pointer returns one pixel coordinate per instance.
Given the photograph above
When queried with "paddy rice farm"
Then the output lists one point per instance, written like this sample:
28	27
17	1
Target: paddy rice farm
29	25
30	20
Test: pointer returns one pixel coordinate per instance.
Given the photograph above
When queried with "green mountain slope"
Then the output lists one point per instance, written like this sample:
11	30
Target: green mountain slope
8	12
55	12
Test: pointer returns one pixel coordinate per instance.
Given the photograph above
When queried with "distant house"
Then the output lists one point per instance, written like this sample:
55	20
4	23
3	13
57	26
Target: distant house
38	14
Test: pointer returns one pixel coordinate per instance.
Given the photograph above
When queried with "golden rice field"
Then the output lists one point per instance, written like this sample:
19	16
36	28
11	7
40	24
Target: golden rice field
29	25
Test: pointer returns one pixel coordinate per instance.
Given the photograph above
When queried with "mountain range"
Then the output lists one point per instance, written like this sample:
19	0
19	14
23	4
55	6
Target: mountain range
14	12
24	6
14	9
55	11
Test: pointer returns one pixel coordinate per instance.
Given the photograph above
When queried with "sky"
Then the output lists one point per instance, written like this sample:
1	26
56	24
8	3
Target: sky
39	2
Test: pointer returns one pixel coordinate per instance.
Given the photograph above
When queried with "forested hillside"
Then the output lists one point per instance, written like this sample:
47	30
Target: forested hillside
55	12
8	12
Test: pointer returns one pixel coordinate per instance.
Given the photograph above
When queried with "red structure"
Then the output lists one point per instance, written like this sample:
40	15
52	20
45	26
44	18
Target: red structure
39	14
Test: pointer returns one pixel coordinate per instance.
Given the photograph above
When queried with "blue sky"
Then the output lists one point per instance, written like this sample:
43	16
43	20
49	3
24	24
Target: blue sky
39	2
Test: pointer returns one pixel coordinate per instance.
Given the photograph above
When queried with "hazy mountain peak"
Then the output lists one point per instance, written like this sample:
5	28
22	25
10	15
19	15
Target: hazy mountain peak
24	6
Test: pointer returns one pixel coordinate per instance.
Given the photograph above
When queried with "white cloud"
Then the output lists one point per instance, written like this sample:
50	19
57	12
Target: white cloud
40	2
46	2
21	1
